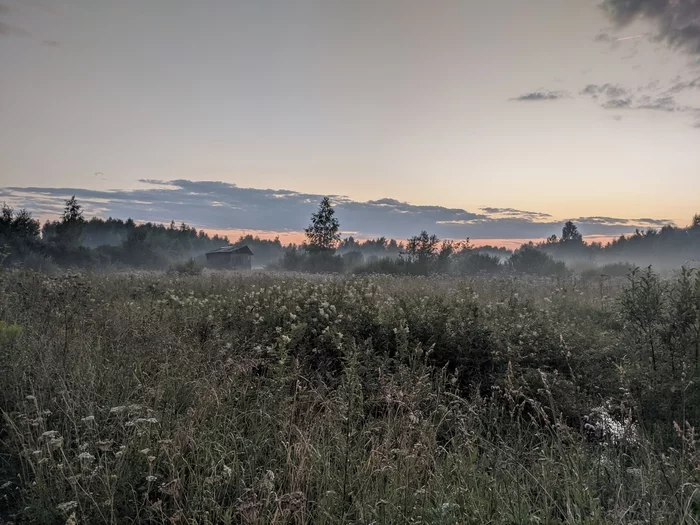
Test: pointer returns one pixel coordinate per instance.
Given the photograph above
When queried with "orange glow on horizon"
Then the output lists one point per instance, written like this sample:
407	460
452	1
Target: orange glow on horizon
298	238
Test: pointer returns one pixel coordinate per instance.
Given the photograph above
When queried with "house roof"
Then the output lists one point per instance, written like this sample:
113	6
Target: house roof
243	250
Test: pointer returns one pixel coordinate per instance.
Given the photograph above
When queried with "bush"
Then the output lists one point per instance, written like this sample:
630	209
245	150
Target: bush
189	267
619	269
530	260
39	263
352	259
319	262
474	263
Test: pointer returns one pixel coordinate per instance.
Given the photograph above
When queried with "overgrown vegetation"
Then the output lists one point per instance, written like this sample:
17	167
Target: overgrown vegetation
282	398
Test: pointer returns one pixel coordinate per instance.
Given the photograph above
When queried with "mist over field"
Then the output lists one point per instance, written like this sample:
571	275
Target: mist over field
350	262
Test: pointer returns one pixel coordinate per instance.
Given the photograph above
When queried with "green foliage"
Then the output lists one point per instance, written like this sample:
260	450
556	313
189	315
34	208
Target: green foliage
422	250
312	262
643	308
621	269
9	333
352	259
475	263
323	234
275	398
19	234
70	230
530	260
570	234
188	267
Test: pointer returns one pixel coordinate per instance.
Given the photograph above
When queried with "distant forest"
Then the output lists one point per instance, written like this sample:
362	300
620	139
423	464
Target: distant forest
74	241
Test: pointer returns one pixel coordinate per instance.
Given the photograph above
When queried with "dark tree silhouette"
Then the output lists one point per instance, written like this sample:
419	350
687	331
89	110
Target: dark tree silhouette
422	248
570	233
323	233
70	229
73	212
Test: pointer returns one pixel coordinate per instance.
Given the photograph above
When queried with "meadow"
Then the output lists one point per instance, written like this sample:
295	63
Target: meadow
267	397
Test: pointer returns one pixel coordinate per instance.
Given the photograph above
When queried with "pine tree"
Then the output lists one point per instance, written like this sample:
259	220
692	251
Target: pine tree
73	212
570	233
70	230
323	233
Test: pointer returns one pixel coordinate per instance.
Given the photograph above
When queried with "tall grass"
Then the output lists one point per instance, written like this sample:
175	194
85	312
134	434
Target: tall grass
263	398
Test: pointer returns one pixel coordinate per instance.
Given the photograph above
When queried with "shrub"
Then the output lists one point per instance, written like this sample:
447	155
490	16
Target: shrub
530	260
188	267
316	262
618	269
474	263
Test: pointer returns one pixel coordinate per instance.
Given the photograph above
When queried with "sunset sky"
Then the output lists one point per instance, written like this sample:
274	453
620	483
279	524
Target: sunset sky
494	120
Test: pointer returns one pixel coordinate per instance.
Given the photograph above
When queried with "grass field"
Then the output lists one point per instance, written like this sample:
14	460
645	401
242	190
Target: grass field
276	398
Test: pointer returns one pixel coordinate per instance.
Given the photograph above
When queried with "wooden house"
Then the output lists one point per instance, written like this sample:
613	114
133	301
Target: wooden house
230	257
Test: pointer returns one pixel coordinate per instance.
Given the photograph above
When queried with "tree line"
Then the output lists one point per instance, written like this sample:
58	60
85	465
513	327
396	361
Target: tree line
74	241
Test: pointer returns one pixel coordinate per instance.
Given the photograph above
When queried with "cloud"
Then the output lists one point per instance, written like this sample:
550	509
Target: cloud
680	86
541	95
10	30
645	222
666	103
608	90
511	212
7	29
677	22
51	43
223	206
613	96
617	103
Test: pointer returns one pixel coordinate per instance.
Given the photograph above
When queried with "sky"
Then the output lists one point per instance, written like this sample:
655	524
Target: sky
493	120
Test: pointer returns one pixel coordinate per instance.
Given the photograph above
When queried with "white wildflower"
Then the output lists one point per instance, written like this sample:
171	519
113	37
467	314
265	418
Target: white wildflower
67	506
87	419
150	420
151	479
86	456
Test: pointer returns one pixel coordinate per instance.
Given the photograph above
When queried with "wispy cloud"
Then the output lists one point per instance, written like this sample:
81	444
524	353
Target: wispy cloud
536	96
224	206
613	96
512	212
7	28
644	222
607	90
